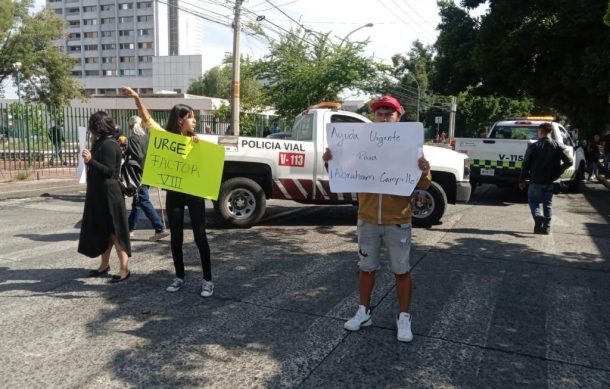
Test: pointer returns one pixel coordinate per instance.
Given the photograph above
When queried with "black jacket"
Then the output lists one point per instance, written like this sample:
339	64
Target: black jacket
544	162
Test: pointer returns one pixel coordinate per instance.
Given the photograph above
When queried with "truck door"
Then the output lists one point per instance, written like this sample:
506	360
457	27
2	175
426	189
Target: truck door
569	145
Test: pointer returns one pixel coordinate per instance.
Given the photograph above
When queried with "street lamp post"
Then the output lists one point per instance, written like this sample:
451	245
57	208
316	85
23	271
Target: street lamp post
353	31
17	67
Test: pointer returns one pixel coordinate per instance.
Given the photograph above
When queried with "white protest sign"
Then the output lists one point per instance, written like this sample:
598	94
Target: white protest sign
81	173
374	157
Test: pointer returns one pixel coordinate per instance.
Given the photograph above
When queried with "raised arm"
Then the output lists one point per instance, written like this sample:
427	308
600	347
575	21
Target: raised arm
144	114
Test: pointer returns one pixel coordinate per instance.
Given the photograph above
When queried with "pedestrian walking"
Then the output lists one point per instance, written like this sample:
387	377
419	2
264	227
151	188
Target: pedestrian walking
57	137
385	218
543	164
606	150
593	155
141	202
104	223
181	121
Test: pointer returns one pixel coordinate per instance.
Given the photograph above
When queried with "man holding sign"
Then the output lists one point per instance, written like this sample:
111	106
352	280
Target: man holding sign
383	217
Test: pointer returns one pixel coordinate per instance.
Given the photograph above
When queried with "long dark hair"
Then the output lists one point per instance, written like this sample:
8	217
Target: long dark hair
101	124
178	112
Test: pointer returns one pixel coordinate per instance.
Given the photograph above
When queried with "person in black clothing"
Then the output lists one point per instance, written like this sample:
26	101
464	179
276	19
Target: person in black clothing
544	163
104	223
593	154
56	136
181	121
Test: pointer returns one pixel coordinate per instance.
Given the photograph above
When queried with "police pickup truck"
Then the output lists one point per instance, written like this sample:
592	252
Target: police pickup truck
292	169
497	158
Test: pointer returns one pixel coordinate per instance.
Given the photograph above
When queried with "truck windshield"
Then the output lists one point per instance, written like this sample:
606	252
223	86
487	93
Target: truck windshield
515	132
303	128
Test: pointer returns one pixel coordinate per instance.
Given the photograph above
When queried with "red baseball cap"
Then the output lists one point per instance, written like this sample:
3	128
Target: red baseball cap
388	102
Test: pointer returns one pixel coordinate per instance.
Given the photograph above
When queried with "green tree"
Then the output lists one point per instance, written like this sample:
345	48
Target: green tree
304	68
28	39
557	52
216	82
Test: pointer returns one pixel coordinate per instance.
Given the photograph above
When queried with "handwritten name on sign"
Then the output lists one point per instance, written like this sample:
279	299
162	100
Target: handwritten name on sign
177	163
374	157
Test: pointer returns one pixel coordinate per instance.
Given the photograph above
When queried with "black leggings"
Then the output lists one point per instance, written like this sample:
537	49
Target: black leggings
175	203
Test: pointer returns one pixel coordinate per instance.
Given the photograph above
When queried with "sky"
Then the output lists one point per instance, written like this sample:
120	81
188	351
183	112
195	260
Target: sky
396	24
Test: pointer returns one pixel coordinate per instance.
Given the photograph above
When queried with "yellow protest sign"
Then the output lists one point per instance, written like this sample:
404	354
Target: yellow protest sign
175	162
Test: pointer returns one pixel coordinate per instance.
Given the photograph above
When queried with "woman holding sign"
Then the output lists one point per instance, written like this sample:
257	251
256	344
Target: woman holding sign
104	222
182	122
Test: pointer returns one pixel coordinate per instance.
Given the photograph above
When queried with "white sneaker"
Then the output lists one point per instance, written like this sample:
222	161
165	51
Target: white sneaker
207	288
362	318
403	325
158	236
176	285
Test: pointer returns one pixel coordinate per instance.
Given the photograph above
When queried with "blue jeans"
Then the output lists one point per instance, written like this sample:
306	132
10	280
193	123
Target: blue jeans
142	203
541	193
56	153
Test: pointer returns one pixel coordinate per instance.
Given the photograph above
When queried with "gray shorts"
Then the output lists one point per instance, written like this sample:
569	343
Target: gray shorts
397	240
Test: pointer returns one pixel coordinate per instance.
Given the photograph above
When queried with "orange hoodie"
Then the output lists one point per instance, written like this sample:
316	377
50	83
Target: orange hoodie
388	209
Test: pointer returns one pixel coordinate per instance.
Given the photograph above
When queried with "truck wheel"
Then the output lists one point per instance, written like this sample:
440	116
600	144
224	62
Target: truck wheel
574	185
431	210
241	202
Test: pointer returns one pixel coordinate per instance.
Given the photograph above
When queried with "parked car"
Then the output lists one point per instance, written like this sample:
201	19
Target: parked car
280	135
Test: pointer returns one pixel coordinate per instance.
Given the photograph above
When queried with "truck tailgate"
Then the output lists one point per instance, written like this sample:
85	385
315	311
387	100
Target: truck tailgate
493	159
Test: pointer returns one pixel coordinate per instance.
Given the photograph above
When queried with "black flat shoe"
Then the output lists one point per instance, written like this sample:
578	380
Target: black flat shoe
118	278
98	273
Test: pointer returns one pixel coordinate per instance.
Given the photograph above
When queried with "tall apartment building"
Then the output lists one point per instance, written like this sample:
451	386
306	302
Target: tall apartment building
151	45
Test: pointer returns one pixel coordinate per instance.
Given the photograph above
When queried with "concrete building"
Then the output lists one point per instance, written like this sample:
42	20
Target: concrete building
151	45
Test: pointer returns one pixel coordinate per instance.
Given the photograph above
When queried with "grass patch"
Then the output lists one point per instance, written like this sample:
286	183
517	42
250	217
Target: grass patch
21	175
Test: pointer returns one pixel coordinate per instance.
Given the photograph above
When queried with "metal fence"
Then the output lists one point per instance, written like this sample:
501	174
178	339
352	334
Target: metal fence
26	142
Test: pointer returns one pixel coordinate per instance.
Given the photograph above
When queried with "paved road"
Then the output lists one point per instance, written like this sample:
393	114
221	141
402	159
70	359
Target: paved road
494	305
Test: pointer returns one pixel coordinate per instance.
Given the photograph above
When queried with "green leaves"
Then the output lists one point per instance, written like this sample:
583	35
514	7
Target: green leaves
557	51
45	73
305	68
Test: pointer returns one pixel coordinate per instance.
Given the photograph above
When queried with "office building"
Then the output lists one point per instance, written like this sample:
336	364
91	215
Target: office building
151	45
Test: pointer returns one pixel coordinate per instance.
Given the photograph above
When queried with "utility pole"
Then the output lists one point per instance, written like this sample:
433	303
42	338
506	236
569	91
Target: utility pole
236	75
452	117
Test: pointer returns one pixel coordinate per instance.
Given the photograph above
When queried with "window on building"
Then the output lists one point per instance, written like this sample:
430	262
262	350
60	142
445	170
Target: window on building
126	6
107	20
127	46
145	18
128	72
91	60
144	31
74	35
59	11
145	45
144	4
125	32
128	59
90	47
77	73
145	72
109	73
90	8
146	91
109	46
89	22
90	34
74	49
107	34
107	92
72	11
92	72
89	92
145	58
108	59
126	19
106	7
74	23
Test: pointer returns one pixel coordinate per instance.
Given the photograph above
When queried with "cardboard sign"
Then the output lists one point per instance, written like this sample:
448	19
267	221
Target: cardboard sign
374	157
175	162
